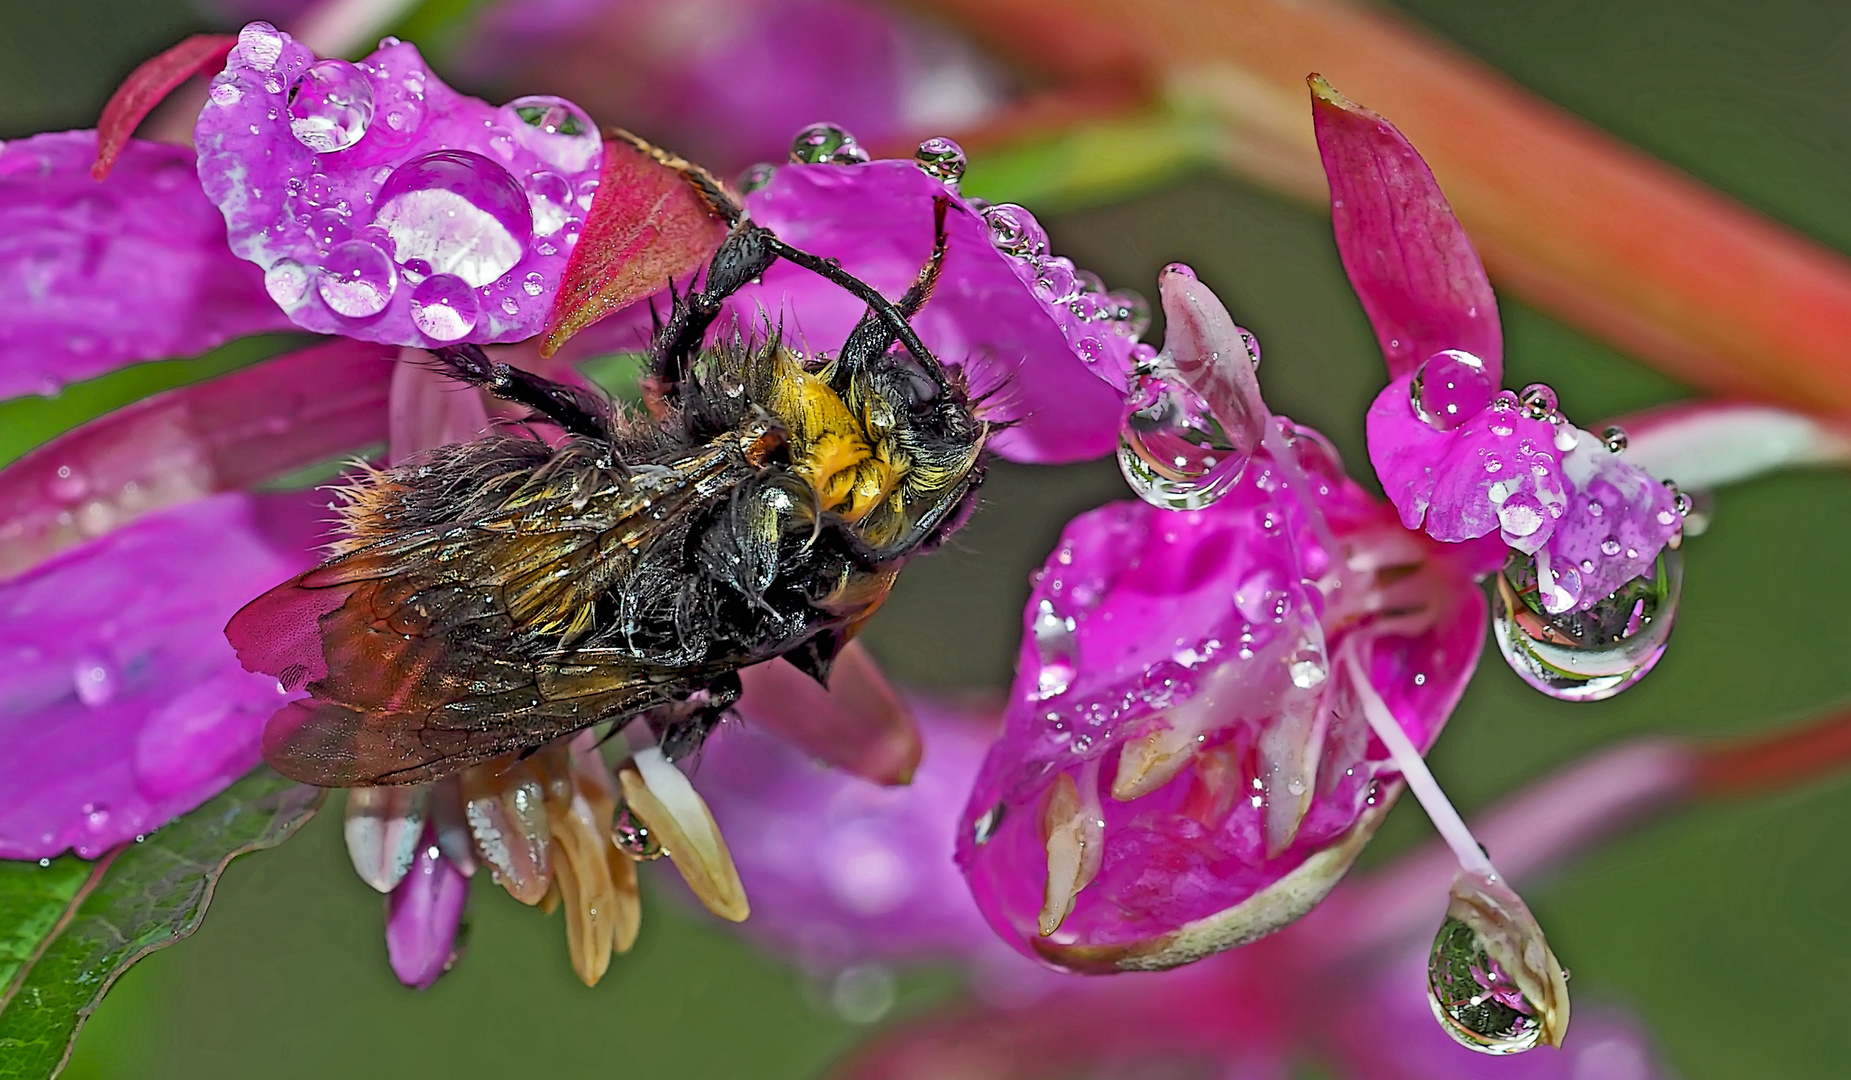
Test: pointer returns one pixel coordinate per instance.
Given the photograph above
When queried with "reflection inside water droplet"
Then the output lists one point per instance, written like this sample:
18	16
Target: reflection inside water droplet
1450	387
941	159
1171	449
444	307
457	211
1474	1000
1056	649
755	177
357	280
330	106
554	130
1584	655
826	144
630	834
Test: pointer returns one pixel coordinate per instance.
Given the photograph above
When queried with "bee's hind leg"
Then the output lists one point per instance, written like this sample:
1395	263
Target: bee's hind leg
574	410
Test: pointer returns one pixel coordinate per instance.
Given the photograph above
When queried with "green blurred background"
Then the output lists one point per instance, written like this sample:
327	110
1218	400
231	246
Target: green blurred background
1728	928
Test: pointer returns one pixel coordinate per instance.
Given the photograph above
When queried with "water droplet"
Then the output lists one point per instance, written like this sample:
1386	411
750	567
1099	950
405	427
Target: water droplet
987	824
1520	515
1181	269
1308	666
287	282
533	284
1474	1000
554	130
826	144
1590	654
1130	309
225	93
550	196
1057	650
1609	546
1449	388
445	308
95	680
1538	401
357	280
458	211
330	106
629	833
509	306
260	45
941	159
1171	449
1014	230
1615	438
755	177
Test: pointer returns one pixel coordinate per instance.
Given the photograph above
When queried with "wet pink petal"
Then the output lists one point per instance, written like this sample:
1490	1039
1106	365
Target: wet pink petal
382	204
1617	519
841	870
1037	345
859	724
1409	260
121	704
99	274
223	434
422	914
1145	619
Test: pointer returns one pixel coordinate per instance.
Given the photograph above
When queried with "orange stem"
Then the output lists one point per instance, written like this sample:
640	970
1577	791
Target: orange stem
1571	219
1776	762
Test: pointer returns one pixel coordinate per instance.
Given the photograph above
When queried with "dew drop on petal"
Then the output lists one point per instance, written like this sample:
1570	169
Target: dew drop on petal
287	282
1056	649
1171	449
1474	1000
755	177
1538	401
633	837
1014	231
1584	653
533	284
1449	388
260	45
986	825
554	130
95	680
550	196
1614	436
457	211
826	144
357	280
1520	515
941	159
445	308
330	106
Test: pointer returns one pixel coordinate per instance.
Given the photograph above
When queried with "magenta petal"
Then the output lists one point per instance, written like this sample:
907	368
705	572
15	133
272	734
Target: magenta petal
859	724
1404	449
1618	518
231	432
1052	361
1205	622
98	274
121	704
385	206
839	869
1407	257
422	914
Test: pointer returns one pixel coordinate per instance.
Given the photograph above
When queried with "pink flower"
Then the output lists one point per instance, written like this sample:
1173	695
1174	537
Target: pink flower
1195	747
1590	587
130	541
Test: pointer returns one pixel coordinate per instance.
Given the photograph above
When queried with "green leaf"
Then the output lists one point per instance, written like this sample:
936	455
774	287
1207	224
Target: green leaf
153	894
1096	161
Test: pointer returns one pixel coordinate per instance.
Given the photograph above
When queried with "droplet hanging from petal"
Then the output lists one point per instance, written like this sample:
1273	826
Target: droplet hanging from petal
1172	450
1494	984
1583	655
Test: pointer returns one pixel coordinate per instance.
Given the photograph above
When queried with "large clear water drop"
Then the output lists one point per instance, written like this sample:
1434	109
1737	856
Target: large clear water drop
1450	387
554	130
330	106
1474	999
941	159
445	308
1172	450
357	280
457	212
1584	655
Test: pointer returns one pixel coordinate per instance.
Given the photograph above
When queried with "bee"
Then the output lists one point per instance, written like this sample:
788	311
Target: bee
487	598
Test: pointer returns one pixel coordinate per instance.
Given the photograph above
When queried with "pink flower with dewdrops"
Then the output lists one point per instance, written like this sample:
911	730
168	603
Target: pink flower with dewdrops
1589	585
143	531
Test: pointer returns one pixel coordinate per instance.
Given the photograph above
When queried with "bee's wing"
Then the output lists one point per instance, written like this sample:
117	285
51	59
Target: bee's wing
438	647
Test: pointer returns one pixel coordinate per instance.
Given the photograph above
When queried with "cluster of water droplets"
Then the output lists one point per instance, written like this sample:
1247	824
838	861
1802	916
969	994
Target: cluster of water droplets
445	230
1547	628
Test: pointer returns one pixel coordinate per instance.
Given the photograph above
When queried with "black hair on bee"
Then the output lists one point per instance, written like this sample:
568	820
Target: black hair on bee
488	597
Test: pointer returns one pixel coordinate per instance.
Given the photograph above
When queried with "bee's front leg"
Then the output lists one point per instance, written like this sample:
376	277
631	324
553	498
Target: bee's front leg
742	256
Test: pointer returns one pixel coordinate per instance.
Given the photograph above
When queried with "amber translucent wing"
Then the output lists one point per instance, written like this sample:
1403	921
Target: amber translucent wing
435	648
